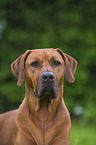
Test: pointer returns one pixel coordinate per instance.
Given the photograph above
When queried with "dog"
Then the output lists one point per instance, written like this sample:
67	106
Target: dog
42	118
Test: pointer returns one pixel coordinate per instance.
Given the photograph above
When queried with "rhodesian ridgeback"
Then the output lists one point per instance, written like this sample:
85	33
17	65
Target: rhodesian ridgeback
42	118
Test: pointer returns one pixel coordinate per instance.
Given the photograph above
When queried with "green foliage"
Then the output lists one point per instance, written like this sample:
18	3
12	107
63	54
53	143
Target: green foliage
69	25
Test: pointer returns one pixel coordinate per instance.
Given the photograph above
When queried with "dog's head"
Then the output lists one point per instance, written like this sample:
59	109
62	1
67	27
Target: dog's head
44	70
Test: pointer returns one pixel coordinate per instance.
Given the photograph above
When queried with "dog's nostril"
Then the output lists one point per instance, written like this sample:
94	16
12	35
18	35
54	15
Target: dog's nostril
51	77
44	77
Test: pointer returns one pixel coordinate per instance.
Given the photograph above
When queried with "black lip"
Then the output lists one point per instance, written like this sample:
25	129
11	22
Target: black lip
37	95
47	91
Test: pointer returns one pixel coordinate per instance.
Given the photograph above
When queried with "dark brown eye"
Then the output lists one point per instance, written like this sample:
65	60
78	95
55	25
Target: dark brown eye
34	64
56	63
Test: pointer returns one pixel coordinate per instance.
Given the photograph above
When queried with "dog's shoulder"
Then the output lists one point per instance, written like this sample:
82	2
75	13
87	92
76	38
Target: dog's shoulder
8	116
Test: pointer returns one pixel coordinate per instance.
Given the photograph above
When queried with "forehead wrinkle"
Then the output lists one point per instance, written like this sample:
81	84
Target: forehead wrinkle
54	57
46	56
50	55
35	55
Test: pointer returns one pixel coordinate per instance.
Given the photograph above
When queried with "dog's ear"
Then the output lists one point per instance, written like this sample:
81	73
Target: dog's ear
18	68
70	66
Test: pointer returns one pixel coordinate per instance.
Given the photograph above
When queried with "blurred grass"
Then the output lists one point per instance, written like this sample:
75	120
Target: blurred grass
82	134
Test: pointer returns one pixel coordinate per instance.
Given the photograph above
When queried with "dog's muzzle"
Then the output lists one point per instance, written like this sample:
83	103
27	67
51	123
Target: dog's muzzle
47	86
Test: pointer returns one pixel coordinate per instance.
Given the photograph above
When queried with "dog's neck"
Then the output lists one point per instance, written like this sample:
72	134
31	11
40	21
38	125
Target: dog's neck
43	111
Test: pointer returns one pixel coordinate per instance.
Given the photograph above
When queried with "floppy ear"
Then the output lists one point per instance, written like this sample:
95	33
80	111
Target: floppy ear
18	67
70	66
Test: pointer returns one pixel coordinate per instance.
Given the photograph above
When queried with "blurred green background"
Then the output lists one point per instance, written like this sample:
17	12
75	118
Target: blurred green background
67	24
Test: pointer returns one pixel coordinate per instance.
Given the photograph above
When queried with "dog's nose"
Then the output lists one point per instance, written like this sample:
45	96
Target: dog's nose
47	77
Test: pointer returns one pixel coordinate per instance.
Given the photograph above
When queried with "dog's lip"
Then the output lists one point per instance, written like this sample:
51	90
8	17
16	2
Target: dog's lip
48	91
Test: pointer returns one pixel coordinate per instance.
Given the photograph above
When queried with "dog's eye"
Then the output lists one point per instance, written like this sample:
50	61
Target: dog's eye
56	63
34	64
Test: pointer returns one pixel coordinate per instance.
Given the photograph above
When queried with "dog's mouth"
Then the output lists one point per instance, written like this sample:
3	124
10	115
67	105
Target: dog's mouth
46	91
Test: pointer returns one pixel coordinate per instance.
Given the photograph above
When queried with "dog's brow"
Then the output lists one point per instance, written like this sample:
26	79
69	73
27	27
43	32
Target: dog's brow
36	59
53	58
